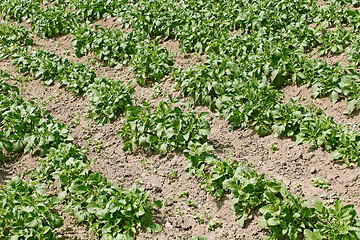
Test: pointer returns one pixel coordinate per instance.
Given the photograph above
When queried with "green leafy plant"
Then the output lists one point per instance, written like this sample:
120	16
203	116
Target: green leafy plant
107	99
335	222
51	68
14	35
52	21
213	224
114	47
19	10
287	217
162	129
150	63
28	126
320	183
273	147
95	9
334	41
82	39
249	191
27	212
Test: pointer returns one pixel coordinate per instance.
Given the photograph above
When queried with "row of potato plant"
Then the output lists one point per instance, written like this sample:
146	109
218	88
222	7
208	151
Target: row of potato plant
50	68
284	215
271	56
164	131
26	210
184	20
61	17
130	209
26	126
147	59
273	223
108	211
197	23
107	98
11	37
162	128
245	101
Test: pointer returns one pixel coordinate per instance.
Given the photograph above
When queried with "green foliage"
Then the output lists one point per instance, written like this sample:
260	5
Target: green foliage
254	48
19	10
27	212
287	217
334	41
250	104
204	83
60	18
150	63
108	98
107	210
93	10
353	51
220	172
284	215
113	47
11	38
82	39
51	68
249	191
14	35
164	128
52	21
65	163
198	156
142	17
320	183
337	222
213	224
26	126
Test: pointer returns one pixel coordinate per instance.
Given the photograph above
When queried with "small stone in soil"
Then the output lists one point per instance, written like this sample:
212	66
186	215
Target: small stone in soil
168	225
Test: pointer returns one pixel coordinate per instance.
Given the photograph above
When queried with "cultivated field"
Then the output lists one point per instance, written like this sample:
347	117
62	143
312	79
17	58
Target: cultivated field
187	119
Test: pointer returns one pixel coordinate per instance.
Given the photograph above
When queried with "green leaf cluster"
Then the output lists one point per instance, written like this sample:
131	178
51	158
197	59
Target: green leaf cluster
162	128
26	126
18	35
27	212
59	18
52	21
50	68
113	47
150	63
11	38
107	98
93	10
